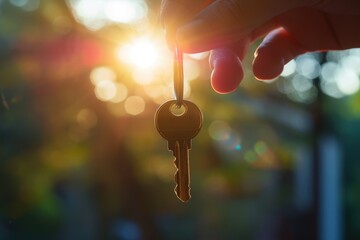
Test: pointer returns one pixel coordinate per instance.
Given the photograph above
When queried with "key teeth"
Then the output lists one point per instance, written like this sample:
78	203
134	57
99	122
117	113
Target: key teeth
176	178
177	191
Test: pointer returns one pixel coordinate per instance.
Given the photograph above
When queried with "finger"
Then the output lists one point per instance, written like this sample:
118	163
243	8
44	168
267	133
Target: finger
322	31
175	12
314	32
227	70
227	21
277	48
226	62
344	30
172	14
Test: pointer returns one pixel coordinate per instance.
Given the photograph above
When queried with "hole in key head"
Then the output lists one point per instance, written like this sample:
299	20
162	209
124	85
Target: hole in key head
177	110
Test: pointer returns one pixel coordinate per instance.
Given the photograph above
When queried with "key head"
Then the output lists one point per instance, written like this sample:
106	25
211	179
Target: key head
174	123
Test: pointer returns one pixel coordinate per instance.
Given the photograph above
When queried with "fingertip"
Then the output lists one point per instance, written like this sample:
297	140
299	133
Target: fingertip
188	36
226	75
267	66
277	48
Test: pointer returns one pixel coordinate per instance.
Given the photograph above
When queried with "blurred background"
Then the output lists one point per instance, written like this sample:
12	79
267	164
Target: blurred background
80	158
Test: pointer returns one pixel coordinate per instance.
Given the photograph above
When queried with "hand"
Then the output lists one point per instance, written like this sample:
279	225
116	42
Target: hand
290	27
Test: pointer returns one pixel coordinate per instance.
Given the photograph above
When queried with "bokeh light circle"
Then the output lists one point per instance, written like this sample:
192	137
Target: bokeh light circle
134	105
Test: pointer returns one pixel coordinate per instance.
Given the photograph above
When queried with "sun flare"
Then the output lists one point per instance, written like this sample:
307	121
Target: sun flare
141	53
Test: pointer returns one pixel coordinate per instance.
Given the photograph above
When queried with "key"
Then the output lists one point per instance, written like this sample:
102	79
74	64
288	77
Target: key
178	125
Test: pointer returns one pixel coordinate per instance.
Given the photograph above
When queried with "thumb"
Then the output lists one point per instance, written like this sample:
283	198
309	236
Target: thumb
227	21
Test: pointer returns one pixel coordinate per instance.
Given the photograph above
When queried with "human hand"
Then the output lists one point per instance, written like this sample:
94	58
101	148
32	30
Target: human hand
228	27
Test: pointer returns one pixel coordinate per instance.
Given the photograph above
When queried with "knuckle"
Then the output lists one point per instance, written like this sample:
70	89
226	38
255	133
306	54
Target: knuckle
176	12
231	9
224	13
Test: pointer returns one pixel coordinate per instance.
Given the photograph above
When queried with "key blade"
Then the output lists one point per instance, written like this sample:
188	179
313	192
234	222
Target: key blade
172	146
182	175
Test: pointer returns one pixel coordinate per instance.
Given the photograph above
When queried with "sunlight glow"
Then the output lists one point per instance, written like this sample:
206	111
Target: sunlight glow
328	71
95	14
102	73
155	91
328	83
125	11
120	93
144	76
340	75
134	105
106	87
331	89
347	81
105	90
170	92
301	83
141	53
351	62
289	69
187	90
191	70
339	80
308	66
199	56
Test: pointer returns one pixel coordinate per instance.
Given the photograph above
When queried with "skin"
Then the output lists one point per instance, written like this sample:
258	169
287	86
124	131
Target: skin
288	28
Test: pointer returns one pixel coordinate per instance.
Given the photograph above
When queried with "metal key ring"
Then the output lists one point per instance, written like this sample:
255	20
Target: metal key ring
178	76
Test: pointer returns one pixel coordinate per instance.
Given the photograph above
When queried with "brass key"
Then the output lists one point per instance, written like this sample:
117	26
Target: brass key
178	125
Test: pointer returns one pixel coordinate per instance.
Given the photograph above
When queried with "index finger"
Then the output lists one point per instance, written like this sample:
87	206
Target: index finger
227	21
174	13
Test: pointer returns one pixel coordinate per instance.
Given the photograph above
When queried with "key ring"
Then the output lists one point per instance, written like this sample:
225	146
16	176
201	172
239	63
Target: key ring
178	76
